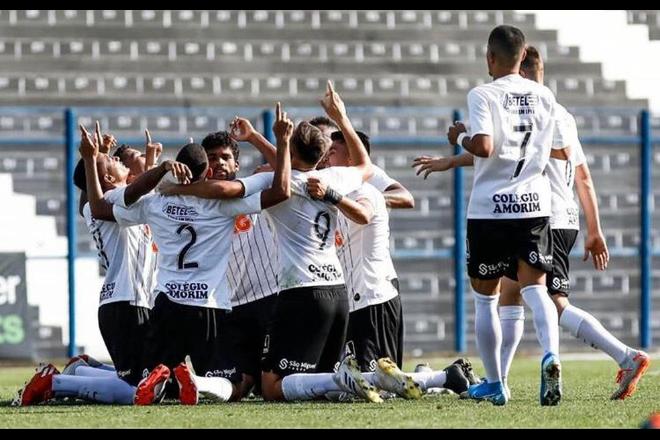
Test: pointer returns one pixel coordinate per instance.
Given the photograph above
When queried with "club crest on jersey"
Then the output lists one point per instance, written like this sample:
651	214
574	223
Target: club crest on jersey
242	224
339	240
180	213
518	103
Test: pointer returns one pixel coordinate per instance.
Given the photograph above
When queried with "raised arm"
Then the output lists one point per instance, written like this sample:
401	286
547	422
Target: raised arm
89	150
398	197
241	130
153	150
280	190
595	241
336	110
148	181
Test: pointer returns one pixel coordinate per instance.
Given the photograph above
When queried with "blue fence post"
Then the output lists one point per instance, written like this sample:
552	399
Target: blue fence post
268	118
645	242
459	251
71	208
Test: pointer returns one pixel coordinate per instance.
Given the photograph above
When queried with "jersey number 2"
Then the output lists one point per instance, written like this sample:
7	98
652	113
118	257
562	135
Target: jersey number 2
186	248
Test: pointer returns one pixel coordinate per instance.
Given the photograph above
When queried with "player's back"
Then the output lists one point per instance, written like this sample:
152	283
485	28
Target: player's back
305	230
519	116
194	239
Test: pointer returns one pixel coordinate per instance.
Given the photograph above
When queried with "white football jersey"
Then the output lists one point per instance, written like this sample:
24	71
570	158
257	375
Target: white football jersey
565	213
194	240
380	179
305	228
364	252
519	116
252	273
129	257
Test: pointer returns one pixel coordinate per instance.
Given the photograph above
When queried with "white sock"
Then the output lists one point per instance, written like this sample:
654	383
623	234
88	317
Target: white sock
585	326
217	388
298	387
430	379
512	319
544	312
488	334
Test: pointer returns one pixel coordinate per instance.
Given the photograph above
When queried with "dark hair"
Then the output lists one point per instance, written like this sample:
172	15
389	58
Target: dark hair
507	43
121	150
221	139
532	60
194	156
79	176
323	120
310	143
339	137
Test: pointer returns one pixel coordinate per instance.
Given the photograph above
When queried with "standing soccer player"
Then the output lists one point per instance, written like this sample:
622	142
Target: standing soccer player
512	123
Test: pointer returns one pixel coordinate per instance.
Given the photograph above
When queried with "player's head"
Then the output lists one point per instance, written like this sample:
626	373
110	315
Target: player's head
532	66
112	173
506	50
325	124
338	155
222	152
133	159
308	144
194	157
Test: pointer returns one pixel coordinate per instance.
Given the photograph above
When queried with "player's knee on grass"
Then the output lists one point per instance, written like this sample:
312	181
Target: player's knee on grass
271	387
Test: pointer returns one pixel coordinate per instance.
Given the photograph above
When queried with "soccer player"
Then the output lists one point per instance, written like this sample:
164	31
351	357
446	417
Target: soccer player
563	174
194	238
375	329
308	331
512	124
129	259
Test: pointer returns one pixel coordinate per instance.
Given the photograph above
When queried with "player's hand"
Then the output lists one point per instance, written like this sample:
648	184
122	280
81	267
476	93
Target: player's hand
155	147
265	168
107	143
180	172
428	165
89	149
333	104
454	131
283	126
241	130
316	188
596	246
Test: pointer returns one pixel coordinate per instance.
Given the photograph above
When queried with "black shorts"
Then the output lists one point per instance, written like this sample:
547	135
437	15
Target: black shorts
178	330
375	332
124	329
308	330
558	281
492	244
241	343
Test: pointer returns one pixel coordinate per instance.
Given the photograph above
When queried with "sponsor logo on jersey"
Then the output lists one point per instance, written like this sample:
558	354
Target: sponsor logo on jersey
327	272
107	290
242	224
339	239
516	203
180	212
190	290
521	104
